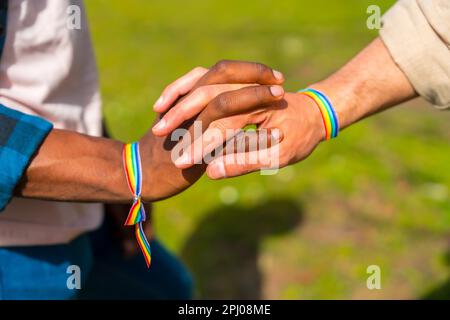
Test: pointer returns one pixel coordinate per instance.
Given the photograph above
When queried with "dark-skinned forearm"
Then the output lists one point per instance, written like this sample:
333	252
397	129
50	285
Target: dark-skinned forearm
74	167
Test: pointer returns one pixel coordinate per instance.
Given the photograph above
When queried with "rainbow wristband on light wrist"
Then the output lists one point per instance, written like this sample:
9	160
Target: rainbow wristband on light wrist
136	216
329	117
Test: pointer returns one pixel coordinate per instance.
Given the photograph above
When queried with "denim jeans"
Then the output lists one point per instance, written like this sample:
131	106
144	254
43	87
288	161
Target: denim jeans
41	272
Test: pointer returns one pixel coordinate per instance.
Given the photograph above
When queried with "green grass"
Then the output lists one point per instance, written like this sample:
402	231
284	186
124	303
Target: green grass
377	195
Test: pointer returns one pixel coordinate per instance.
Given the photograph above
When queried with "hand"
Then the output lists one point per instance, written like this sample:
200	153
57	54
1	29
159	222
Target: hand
202	85
162	178
295	115
69	166
357	90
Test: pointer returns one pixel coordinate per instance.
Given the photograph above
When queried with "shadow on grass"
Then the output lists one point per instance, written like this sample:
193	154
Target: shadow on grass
223	250
441	292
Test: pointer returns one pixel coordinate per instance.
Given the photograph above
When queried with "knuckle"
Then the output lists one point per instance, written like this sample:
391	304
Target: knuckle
202	93
260	68
220	125
222	66
170	88
259	92
223	103
199	70
182	113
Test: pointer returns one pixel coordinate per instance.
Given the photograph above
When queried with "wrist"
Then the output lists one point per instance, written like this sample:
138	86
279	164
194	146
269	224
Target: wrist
369	83
311	115
148	178
343	98
115	180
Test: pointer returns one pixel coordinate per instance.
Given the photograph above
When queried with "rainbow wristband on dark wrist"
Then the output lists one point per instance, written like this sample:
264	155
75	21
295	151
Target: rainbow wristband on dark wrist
329	117
136	216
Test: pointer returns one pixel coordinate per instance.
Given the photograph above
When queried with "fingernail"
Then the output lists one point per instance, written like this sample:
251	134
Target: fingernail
184	159
160	125
278	74
275	135
159	102
276	91
217	170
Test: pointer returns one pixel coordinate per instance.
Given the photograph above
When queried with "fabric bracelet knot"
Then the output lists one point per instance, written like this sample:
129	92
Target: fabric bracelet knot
136	216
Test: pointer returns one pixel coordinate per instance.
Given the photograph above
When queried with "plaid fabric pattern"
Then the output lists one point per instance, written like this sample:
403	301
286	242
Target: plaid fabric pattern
20	136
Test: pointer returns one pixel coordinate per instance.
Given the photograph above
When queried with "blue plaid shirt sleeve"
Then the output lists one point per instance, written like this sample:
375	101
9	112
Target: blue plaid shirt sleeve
20	137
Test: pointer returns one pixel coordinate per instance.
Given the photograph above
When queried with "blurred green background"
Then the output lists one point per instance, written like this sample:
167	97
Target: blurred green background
377	195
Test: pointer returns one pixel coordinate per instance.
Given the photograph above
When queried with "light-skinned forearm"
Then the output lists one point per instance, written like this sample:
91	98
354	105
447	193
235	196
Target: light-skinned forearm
73	167
369	83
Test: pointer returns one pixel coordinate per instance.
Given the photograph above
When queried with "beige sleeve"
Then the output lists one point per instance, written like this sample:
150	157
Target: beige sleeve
417	34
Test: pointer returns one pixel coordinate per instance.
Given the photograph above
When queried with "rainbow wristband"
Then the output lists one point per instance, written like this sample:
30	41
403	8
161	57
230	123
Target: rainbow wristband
329	117
136	216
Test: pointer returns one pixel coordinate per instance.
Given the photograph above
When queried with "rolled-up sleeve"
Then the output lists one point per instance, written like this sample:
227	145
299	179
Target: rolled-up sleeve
417	34
20	137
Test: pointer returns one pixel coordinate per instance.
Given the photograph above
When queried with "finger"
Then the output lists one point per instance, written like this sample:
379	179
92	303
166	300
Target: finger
190	106
227	71
233	165
239	102
246	147
179	87
247	141
225	138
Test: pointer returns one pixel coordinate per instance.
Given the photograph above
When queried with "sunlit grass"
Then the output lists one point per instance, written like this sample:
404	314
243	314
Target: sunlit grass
377	195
